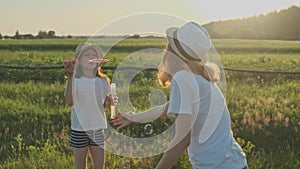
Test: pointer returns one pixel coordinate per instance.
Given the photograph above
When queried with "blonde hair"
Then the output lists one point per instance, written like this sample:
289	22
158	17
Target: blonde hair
171	64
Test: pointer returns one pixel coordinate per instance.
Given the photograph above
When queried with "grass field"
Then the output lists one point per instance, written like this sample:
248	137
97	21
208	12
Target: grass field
35	121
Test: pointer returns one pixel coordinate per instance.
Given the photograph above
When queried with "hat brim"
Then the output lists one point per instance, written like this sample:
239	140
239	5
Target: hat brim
96	48
170	36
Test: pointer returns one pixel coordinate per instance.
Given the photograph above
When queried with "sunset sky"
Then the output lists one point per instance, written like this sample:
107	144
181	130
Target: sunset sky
85	17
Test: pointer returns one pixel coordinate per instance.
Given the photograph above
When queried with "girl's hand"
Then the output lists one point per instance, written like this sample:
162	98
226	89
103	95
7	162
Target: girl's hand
120	121
69	66
110	101
114	100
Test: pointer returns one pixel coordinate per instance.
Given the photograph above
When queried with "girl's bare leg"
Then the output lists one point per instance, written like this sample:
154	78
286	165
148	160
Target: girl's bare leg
97	156
80	155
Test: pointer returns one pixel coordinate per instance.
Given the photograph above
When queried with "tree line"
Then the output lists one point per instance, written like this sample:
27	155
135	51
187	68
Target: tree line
276	25
41	35
279	25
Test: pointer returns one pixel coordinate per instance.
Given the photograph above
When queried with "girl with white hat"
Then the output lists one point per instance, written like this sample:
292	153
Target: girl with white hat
202	119
87	92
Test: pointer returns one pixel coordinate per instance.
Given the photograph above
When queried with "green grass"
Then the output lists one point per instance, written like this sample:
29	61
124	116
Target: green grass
34	129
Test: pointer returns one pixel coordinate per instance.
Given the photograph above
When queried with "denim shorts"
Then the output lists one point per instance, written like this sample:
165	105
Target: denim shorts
80	139
245	167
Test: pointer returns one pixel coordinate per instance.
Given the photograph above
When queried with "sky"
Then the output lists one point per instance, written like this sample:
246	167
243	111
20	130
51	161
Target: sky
87	17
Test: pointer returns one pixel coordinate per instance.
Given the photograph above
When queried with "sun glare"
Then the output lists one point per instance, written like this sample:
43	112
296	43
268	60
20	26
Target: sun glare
231	9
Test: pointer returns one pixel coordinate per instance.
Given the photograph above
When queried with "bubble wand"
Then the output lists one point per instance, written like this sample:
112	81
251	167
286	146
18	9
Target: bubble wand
66	62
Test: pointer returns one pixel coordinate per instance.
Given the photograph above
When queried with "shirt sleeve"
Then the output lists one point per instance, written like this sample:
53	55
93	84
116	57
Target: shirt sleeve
181	97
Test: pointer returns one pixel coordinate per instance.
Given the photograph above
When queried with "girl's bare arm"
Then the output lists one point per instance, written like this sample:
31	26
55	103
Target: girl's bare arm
179	143
68	93
107	102
122	120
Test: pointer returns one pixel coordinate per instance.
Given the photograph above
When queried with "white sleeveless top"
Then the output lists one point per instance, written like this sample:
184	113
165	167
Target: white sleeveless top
88	98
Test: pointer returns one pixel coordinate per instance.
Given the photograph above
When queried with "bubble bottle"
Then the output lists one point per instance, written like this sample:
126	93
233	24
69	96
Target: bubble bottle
113	111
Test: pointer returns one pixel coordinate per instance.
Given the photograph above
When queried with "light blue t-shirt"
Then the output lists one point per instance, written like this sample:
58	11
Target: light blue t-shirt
216	147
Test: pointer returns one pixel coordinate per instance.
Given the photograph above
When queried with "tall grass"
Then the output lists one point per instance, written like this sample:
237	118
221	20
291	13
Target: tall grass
34	130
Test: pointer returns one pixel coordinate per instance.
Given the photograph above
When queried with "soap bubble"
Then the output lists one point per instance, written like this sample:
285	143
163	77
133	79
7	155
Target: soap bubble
134	61
157	97
127	164
142	58
148	129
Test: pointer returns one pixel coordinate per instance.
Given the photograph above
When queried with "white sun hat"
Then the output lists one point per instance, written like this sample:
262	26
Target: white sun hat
84	46
191	42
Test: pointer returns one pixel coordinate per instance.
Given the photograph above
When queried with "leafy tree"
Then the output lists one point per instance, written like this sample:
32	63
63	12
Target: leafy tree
51	34
17	35
42	35
6	37
28	36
